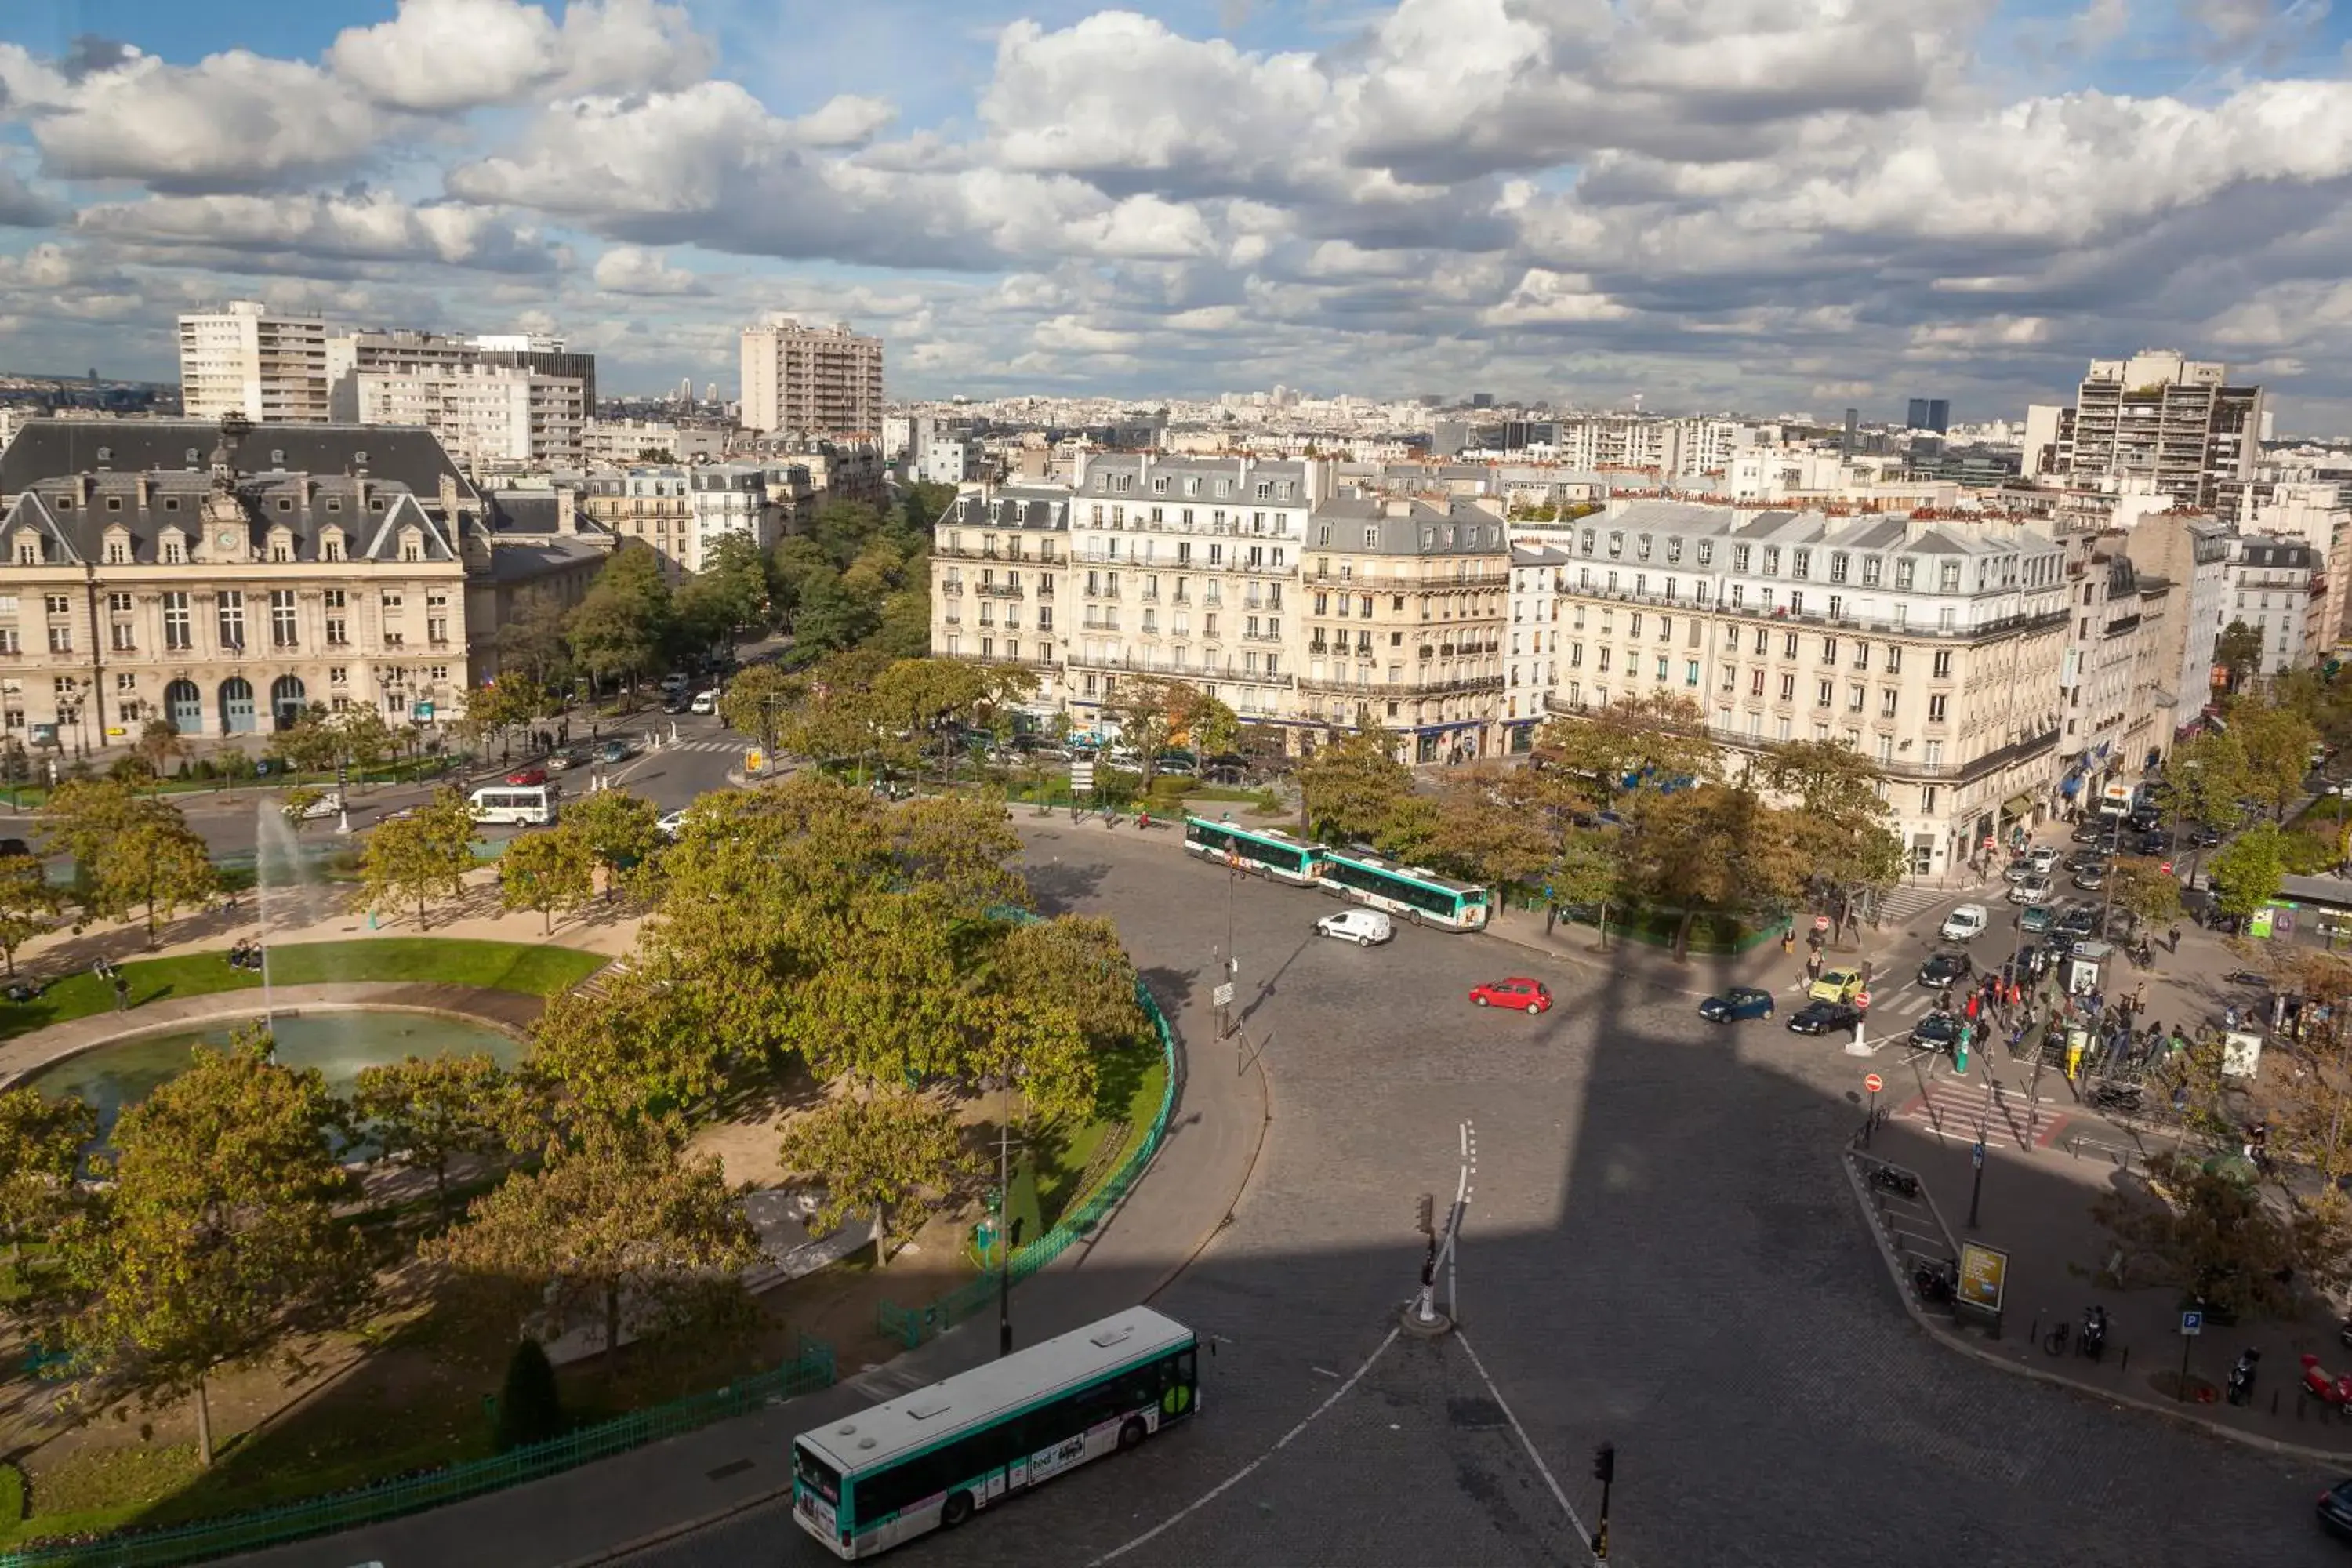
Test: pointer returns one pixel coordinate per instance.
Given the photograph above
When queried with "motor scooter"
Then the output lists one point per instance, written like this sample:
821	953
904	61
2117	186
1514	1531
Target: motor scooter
2333	1391
2242	1377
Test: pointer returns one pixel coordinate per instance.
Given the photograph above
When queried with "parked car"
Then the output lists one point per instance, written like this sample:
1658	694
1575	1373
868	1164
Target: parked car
1965	923
1180	762
2043	857
2086	859
1945	969
1362	927
669	825
2092	830
2204	836
2336	1509
676	680
328	803
2034	889
2091	879
674	701
612	752
1820	1017
1740	1002
1519	991
1836	985
569	758
706	702
524	777
2036	919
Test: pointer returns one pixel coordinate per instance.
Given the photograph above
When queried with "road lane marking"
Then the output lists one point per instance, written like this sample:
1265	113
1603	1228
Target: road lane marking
1238	1477
1583	1536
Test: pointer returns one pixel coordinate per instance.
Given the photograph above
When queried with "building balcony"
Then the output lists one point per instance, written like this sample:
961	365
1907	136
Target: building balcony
999	590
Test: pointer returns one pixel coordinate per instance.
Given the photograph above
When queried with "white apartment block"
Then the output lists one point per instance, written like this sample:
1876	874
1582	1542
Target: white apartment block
2272	582
948	460
1533	671
623	443
2161	416
728	498
818	381
1931	648
2119	687
1672	446
249	361
490	418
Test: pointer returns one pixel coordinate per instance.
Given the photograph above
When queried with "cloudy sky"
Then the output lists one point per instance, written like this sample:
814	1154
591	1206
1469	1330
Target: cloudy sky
1766	205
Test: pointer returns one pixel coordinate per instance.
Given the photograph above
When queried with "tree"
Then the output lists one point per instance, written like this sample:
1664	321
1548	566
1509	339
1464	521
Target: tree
531	1405
922	697
1840	828
829	615
622	625
751	700
2208	1233
159	744
217	1239
547	872
617	1229
1709	848
2206	778
1634	742
621	832
2246	873
85	814
1586	872
367	740
424	1111
878	1156
311	744
1485	831
29	904
1077	962
41	1140
424	856
1349	787
295	804
155	863
2150	894
2278	744
1153	711
647	1044
531	644
2239	652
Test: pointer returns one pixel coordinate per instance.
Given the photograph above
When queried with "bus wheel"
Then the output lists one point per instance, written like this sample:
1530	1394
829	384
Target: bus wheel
1132	1435
955	1510
1413	915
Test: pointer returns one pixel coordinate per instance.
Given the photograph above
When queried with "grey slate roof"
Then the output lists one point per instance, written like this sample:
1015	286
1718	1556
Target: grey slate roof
1406	528
306	508
1040	506
518	560
409	456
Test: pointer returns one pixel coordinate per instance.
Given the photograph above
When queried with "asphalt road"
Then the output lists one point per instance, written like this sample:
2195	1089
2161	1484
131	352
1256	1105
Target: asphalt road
1660	1253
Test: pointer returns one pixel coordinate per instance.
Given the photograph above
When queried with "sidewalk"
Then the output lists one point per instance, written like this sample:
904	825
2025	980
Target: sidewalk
2035	1205
591	1514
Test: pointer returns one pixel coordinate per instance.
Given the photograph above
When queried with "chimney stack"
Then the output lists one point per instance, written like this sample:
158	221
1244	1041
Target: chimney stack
567	521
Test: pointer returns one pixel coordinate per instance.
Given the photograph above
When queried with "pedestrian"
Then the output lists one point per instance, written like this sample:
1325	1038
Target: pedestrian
1552	918
122	992
2173	937
1971	1013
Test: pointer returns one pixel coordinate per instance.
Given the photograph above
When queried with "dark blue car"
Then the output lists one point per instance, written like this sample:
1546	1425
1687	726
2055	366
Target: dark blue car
1737	1002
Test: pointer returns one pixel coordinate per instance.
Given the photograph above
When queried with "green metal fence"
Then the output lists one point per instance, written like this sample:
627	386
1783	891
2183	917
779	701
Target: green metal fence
912	1325
812	1369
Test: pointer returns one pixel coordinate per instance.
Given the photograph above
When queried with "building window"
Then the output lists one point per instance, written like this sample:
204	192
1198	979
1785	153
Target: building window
1902	572
117	552
1886	700
1941	666
175	550
231	615
282	625
57	604
1854	698
1948	579
1827	694
61	639
177	636
120	638
1739	558
1893	659
1788	688
1935	707
9	642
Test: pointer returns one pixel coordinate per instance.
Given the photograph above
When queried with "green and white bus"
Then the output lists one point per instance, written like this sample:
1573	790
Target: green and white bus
1267	850
1425	897
929	1459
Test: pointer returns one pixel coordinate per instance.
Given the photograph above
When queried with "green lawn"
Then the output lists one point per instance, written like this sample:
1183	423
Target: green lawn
533	969
1133	1083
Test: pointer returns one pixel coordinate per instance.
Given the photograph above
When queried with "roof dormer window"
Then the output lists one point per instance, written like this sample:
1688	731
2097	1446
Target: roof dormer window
114	503
65	503
285	503
106	453
276	456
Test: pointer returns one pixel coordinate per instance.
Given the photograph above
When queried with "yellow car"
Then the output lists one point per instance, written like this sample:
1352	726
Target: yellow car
1837	986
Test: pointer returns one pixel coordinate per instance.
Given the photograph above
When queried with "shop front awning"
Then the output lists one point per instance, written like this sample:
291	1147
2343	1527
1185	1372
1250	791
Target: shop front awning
2017	805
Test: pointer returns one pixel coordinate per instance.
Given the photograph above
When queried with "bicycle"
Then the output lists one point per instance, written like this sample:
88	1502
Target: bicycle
2054	1342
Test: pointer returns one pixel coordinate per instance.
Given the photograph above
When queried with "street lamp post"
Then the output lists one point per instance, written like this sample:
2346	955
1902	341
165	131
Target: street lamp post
1008	1227
342	799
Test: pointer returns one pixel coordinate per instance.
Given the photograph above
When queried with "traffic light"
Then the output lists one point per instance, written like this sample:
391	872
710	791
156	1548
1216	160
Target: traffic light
1604	1463
1425	1214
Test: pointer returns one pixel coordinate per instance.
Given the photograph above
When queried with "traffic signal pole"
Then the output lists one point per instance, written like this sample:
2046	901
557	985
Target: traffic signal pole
1604	1471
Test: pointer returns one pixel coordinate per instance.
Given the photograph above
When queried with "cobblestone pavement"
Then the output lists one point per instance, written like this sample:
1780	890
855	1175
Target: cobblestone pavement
1662	1253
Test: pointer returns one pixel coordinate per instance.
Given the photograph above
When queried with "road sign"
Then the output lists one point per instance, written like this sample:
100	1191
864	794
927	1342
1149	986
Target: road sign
1984	1275
1862	1000
1223	997
2193	1325
1873	1082
1976	1154
2164	866
421	712
1082	777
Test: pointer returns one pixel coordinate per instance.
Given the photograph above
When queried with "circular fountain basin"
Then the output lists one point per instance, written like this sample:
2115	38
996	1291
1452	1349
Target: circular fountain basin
338	1042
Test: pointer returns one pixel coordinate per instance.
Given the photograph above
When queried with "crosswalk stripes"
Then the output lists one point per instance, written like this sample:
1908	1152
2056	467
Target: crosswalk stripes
1964	1107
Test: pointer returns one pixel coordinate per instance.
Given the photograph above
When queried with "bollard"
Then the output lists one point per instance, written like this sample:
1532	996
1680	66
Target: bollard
2126	1363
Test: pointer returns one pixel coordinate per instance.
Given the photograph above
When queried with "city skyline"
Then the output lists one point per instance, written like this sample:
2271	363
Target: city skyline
1763	209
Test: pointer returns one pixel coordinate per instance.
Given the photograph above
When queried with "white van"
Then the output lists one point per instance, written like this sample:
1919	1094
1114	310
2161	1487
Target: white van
1362	927
705	701
529	806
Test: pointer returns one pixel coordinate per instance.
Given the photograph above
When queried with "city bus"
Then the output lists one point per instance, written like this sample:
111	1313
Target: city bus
929	1459
1267	850
531	805
1425	897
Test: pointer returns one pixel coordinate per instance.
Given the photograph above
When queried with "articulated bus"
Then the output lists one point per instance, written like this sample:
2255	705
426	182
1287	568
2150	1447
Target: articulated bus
930	1459
1268	850
1425	897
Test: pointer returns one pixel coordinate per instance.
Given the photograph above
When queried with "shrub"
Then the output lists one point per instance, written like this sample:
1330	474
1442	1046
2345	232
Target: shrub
12	1494
530	1410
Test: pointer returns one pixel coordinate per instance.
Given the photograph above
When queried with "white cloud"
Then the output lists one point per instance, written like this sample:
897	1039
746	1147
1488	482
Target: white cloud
436	55
234	121
845	120
367	227
631	270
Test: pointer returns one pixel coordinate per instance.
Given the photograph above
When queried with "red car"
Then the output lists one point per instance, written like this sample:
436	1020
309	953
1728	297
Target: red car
1526	995
533	775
